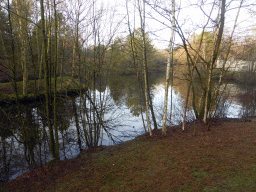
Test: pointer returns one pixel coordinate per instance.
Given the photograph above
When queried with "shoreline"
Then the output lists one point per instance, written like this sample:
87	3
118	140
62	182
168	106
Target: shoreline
161	157
39	97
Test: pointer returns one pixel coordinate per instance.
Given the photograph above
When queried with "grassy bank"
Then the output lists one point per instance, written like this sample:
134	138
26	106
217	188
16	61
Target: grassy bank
35	88
241	77
223	159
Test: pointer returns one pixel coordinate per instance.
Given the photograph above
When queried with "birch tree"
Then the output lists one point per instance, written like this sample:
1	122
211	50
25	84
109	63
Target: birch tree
169	62
145	70
134	56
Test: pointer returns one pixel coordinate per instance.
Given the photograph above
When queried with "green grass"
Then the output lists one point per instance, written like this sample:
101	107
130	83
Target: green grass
159	164
240	180
63	84
217	72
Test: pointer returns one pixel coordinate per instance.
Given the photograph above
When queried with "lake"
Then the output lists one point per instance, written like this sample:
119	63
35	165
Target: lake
109	114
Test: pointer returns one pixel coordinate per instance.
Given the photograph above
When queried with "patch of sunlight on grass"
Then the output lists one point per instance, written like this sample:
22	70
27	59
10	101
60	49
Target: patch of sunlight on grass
242	180
208	159
185	188
200	174
168	159
116	184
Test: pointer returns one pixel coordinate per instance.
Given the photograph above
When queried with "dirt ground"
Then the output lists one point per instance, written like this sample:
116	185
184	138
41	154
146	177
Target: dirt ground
198	159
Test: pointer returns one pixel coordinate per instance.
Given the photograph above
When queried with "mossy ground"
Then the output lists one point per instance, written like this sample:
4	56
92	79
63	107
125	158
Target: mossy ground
222	159
36	88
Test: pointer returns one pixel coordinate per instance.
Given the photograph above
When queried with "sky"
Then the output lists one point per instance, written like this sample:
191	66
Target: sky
191	16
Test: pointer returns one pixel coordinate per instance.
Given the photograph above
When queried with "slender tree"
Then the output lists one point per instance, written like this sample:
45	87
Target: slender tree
55	79
223	69
22	10
134	56
218	37
47	86
145	69
14	67
169	62
192	62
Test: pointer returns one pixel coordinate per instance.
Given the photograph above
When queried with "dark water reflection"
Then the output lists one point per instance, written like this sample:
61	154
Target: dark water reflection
117	103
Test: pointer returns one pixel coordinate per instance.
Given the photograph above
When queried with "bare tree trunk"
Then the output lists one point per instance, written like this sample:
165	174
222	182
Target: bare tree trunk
62	59
47	87
145	70
39	56
40	62
216	92
14	71
21	13
193	62
25	70
135	66
170	60
55	83
73	62
214	57
40	59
